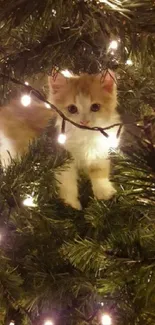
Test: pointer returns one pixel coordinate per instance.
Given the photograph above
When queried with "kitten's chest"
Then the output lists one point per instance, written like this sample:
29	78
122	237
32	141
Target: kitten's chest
87	147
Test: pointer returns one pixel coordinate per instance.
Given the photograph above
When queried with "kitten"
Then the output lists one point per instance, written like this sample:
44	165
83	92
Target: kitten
87	100
18	126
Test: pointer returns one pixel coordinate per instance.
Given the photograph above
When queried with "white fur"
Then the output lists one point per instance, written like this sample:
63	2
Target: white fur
6	149
68	186
88	148
103	188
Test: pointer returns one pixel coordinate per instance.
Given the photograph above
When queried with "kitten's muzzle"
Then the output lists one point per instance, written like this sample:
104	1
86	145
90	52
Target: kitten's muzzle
84	122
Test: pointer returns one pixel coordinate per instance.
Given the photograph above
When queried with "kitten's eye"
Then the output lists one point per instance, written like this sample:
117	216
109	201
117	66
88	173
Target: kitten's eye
95	107
72	109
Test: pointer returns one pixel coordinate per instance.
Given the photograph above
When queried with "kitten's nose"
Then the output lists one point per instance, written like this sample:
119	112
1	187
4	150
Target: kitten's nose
84	122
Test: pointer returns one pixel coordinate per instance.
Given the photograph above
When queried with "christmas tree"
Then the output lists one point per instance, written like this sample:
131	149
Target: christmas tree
59	265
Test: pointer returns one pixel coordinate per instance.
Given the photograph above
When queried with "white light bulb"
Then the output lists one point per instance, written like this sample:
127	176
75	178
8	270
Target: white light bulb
54	12
29	202
113	141
108	3
106	319
129	62
62	138
26	83
113	45
48	322
47	106
26	100
12	323
66	73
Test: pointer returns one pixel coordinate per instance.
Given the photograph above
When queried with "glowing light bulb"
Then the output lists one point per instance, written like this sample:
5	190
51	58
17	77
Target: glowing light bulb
29	202
129	62
113	141
106	319
48	322
113	45
26	83
54	12
26	100
47	106
62	138
12	323
108	3
66	73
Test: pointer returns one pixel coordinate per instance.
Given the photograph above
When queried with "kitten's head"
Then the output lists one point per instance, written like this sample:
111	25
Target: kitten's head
87	99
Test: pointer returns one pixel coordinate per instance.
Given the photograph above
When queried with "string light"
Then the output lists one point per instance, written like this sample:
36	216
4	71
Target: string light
113	6
48	322
129	62
43	99
48	106
112	141
66	73
12	323
62	138
54	12
29	202
62	135
26	83
113	45
106	319
26	100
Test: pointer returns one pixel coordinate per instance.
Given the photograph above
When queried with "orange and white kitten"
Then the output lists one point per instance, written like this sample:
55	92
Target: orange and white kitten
88	100
18	126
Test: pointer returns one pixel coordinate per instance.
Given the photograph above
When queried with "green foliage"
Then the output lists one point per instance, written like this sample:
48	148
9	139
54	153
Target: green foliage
58	260
55	261
39	35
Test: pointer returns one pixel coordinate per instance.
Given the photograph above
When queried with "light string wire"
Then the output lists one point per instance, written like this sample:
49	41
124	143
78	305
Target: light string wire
38	95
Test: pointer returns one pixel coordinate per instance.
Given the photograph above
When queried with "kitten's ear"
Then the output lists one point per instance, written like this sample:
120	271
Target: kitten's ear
108	80
57	82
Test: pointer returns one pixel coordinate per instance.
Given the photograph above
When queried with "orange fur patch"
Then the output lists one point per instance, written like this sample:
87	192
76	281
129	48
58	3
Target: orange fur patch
90	86
22	124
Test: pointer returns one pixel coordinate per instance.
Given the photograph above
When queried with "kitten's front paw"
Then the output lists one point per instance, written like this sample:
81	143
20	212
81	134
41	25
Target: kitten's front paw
74	203
103	189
